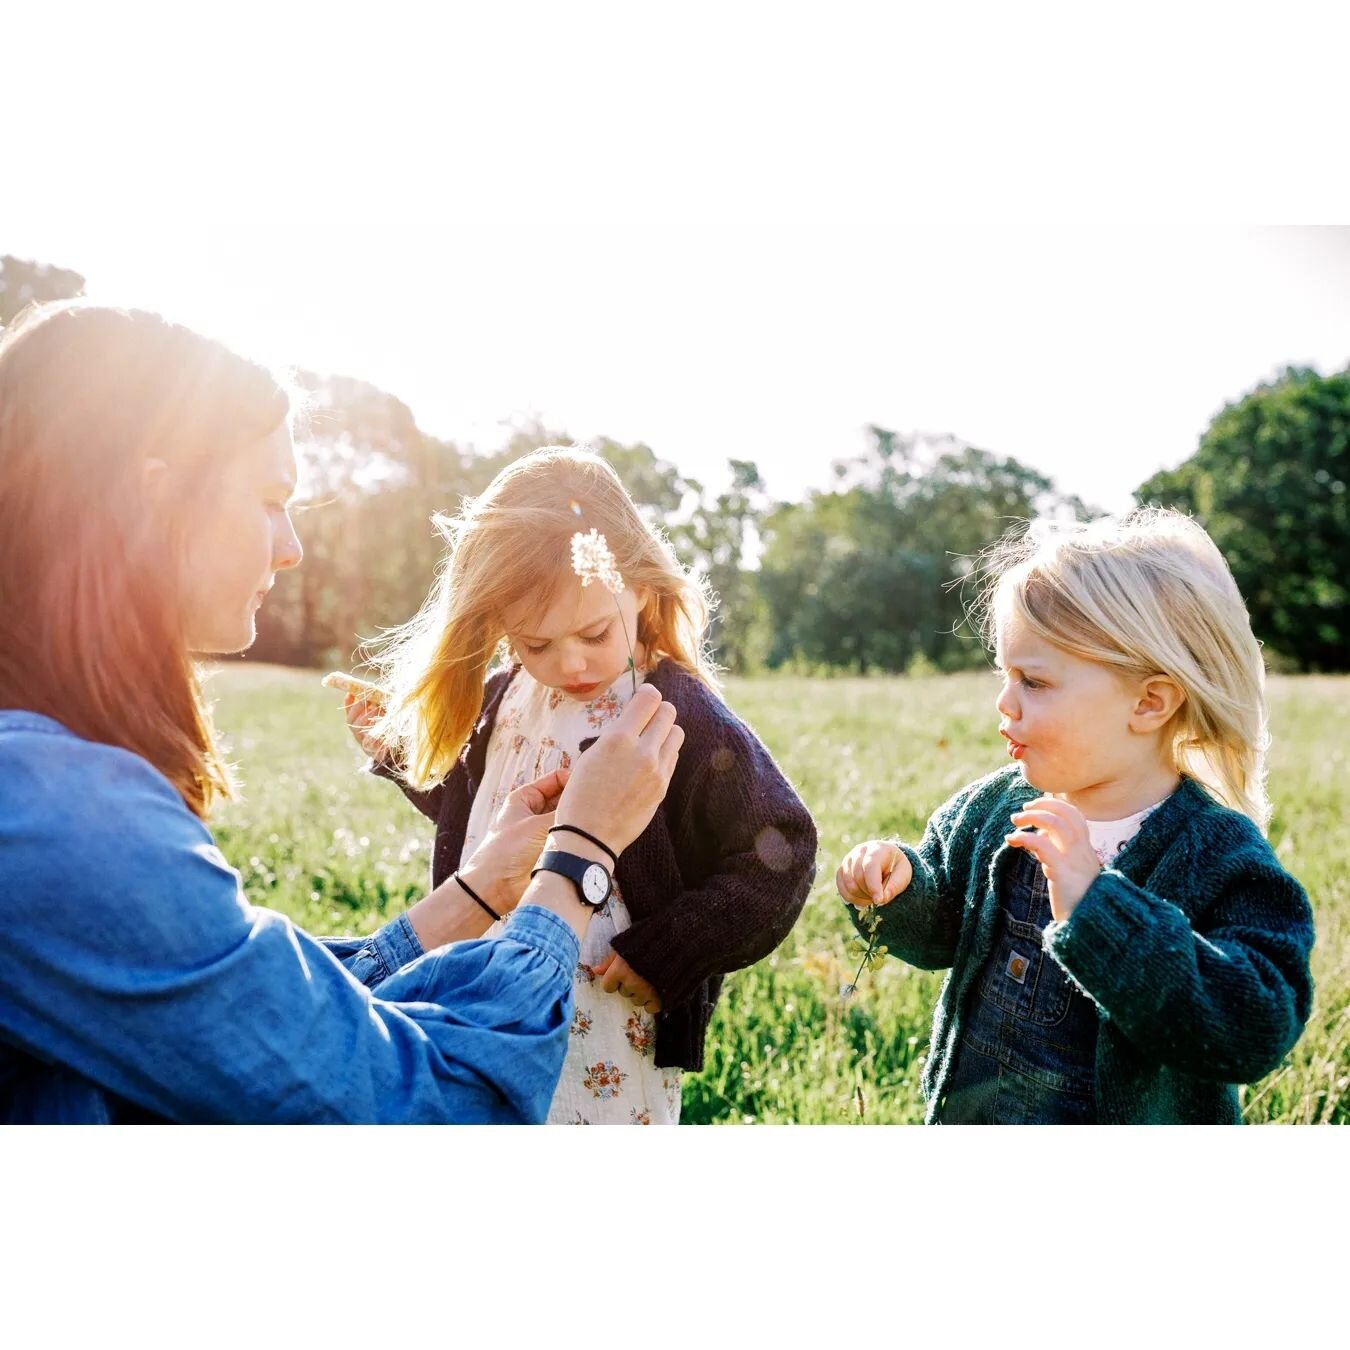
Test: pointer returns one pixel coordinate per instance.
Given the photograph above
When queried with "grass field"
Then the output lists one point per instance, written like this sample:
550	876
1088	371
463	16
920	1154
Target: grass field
340	852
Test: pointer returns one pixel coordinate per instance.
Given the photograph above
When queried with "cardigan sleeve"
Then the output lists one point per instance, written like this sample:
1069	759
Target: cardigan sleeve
429	801
922	924
760	845
1223	1001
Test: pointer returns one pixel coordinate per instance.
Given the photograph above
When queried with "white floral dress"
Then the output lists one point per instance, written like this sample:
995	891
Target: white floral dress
610	1075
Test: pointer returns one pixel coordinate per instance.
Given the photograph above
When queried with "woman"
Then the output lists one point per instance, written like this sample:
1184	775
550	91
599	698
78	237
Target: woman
144	475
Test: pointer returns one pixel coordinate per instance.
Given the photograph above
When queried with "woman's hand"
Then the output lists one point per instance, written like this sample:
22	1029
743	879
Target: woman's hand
502	862
612	793
873	873
498	870
616	786
616	975
1062	847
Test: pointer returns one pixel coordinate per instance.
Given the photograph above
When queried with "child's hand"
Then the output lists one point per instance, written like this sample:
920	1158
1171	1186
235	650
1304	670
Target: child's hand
363	704
1063	849
873	873
617	974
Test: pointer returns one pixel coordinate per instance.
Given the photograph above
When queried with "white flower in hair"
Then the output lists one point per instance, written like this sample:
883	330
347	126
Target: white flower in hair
592	561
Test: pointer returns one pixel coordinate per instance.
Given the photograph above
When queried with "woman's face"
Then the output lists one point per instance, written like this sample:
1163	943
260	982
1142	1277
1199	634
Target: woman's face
577	644
241	539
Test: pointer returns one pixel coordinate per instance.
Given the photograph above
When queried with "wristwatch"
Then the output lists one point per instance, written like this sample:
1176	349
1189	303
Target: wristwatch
592	880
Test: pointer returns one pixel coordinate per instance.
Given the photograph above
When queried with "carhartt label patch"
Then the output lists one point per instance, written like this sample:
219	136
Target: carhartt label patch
1017	968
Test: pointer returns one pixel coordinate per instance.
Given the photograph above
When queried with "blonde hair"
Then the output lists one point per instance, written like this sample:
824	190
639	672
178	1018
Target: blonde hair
1149	594
92	627
512	544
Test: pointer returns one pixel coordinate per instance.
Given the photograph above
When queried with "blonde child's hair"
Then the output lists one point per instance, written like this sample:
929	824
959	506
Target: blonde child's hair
1149	594
513	544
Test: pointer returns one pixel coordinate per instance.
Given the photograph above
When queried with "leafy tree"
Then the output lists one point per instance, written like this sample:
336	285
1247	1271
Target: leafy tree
1269	482
870	576
371	480
716	536
22	282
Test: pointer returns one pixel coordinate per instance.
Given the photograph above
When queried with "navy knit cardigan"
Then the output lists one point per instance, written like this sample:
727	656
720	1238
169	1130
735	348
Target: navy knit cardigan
713	884
1193	945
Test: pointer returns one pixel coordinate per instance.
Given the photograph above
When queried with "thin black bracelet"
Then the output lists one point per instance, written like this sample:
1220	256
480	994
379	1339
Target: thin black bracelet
572	829
473	895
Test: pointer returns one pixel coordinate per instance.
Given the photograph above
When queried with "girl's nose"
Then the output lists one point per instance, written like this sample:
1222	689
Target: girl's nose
573	661
1005	703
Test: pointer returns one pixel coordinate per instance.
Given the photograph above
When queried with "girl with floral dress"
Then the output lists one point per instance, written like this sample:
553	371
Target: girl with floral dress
554	570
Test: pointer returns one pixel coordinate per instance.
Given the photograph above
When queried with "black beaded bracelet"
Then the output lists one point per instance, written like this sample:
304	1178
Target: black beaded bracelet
474	896
599	843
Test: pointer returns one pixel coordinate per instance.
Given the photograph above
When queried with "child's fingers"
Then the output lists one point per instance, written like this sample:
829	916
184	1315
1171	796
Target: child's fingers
842	883
361	712
1040	846
1047	824
898	879
872	868
1067	811
847	883
613	973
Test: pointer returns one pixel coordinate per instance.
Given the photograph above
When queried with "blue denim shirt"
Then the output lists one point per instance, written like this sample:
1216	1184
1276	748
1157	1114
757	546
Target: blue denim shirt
137	982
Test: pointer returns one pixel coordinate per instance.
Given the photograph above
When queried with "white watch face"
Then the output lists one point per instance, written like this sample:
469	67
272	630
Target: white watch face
595	884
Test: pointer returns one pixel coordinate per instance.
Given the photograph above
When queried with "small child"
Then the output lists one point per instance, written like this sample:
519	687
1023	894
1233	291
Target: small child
1133	948
554	566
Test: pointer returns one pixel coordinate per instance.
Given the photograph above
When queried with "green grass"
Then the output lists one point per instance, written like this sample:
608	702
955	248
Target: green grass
341	853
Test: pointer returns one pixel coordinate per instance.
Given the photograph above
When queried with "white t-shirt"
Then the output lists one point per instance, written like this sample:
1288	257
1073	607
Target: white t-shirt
1109	837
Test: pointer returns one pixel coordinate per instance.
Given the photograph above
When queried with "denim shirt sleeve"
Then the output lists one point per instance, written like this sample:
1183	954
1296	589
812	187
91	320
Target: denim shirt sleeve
132	957
373	959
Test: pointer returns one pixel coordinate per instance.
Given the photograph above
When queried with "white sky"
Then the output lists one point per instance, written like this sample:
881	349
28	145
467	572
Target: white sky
708	238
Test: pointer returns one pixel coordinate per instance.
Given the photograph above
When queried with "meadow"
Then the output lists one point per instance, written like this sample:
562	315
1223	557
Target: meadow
340	852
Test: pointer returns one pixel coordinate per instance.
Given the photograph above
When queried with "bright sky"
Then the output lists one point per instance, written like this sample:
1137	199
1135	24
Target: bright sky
1094	355
678	263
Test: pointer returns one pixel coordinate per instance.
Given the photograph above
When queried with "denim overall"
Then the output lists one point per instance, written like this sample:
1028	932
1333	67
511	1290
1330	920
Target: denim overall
1029	1042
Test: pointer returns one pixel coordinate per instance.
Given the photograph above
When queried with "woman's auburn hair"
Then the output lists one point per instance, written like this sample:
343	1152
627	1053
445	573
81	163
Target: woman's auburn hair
1149	594
92	626
509	545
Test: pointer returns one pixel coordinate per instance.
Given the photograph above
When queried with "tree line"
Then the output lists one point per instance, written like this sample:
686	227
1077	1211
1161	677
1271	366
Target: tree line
871	574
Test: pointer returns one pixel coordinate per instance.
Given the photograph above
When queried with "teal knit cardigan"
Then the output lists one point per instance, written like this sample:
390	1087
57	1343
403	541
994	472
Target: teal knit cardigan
1194	946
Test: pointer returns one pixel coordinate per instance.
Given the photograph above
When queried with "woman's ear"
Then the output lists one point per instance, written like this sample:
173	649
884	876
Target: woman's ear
1159	698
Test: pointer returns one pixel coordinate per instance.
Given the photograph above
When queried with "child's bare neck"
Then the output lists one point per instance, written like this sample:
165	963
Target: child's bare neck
1117	798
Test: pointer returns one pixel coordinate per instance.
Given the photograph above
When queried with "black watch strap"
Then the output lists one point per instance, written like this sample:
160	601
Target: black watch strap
592	879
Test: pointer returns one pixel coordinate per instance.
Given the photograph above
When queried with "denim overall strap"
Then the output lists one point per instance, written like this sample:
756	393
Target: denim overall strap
1028	1048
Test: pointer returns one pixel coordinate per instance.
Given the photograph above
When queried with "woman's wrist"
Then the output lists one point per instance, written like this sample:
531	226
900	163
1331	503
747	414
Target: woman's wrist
450	914
583	848
558	895
490	886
